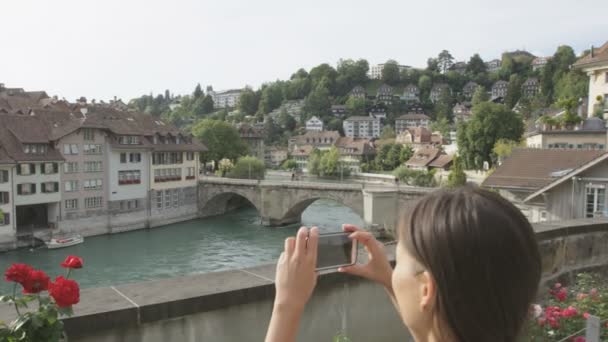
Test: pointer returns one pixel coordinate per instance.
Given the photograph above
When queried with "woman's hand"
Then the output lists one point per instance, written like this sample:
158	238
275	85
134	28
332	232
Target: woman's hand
296	276
295	280
377	268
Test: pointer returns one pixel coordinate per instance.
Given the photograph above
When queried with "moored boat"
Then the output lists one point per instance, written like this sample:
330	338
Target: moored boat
60	242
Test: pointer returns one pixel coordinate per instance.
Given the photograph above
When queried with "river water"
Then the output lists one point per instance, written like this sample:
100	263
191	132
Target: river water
229	241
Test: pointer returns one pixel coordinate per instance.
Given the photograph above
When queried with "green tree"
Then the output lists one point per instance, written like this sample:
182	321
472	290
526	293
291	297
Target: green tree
224	166
503	148
390	72
388	133
330	162
198	91
221	139
443	107
574	84
350	74
415	177
335	124
318	102
248	101
289	164
355	105
442	125
271	131
425	83
570	117
393	157
490	122
314	162
381	158
444	61
271	98
286	121
457	177
248	168
323	73
513	91
476	66
406	154
480	95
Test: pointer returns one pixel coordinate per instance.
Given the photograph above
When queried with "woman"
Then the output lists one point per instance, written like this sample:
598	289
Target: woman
467	269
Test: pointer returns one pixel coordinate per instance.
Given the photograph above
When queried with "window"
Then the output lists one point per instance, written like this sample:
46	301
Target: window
159	200
92	166
155	139
92	202
70	167
93	184
4	176
189	155
26	189
132	204
135	157
7	219
128	140
123	158
50	168
595	201
5	197
71	186
26	169
129	177
70	149
50	187
167	198
71	204
175	198
167	158
91	148
35	148
89	134
190	173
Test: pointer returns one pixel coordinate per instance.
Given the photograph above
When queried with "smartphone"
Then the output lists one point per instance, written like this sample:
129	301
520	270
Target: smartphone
335	250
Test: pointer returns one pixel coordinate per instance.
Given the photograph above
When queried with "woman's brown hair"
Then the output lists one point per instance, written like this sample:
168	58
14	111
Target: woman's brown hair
483	255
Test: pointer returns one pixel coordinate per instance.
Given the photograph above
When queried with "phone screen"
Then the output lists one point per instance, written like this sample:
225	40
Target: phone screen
335	250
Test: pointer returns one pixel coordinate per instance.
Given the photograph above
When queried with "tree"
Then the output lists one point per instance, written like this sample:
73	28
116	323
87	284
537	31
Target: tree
248	168
393	157
330	162
443	107
388	133
202	106
490	122
457	177
415	177
286	121
503	148
271	98
381	158
480	95
476	66
570	117
355	105
314	162
271	131
390	72
248	101
442	126
224	166
350	74
336	124
317	102
425	83
221	139
406	154
198	91
444	61
574	84
513	91
289	164
324	73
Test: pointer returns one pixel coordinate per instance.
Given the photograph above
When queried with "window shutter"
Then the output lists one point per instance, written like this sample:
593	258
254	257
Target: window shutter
55	167
19	169
7	218
56	186
19	192
33	169
5	175
33	187
8	197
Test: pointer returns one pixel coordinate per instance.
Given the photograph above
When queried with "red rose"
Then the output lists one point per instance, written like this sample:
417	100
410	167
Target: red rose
36	282
66	292
72	262
18	273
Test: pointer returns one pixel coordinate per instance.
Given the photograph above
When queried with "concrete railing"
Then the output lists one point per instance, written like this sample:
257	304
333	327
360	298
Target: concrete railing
236	305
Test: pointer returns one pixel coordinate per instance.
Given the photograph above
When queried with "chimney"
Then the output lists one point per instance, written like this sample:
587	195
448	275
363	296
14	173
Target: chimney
592	51
114	98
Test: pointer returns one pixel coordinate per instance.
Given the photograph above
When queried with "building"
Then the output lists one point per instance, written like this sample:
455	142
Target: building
590	134
411	120
314	124
375	72
459	67
362	127
300	154
378	112
254	138
539	62
339	111
320	140
554	185
462	112
530	87
595	65
437	90
469	89
493	65
411	93
275	156
358	92
428	158
355	151
499	89
385	94
225	98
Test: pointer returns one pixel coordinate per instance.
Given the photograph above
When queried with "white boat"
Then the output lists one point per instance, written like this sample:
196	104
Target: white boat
60	242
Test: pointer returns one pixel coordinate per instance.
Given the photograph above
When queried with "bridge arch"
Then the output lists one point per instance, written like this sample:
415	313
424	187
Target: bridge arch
294	208
223	201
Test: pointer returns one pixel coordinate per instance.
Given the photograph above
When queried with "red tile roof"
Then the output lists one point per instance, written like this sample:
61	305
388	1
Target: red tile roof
600	56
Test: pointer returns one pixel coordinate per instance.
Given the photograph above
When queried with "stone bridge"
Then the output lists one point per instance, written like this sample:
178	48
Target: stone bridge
282	202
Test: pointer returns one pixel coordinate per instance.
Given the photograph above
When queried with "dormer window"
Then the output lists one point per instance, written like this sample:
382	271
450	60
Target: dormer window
128	140
155	139
35	148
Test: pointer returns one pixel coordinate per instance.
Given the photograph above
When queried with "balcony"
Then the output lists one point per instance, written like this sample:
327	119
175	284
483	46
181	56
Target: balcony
163	179
129	181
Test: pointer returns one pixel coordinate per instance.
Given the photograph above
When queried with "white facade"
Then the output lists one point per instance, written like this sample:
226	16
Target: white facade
170	175
225	99
132	187
362	127
314	124
598	86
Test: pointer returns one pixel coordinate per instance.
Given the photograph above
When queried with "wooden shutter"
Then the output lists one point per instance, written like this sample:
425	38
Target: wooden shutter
56	186
18	169
55	167
33	187
19	192
33	169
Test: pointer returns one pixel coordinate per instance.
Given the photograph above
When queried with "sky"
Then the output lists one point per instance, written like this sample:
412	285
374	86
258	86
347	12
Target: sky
127	48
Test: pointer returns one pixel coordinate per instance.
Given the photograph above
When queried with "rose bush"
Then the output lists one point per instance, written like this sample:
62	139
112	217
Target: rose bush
566	310
44	323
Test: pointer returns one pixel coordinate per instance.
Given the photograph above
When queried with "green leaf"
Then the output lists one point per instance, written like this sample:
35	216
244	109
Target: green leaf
6	299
